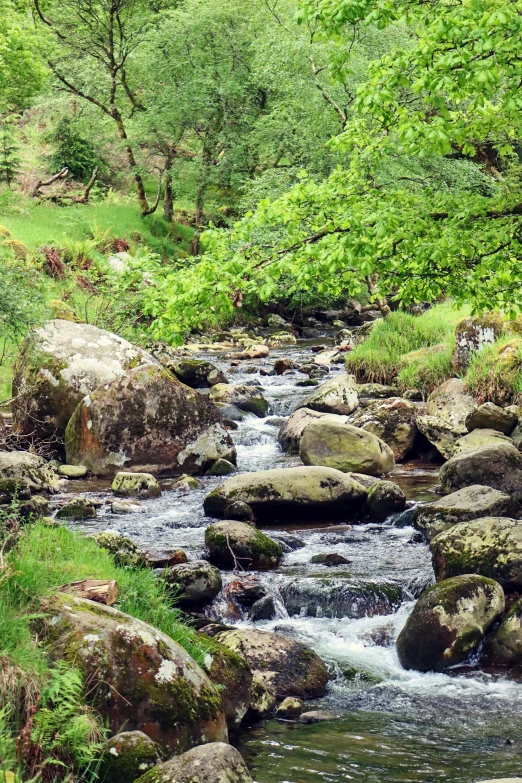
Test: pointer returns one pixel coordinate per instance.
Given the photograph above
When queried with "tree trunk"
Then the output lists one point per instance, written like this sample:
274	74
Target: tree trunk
140	187
381	302
168	195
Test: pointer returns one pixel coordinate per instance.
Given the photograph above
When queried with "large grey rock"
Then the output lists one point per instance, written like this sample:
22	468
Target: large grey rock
448	622
292	430
345	448
26	470
384	499
477	438
149	422
197	373
216	762
492	417
440	434
61	362
464	505
490	546
230	543
139	485
504	647
326	596
138	676
246	398
451	402
128	755
471	335
499	467
287	667
233	678
194	583
283	493
392	420
336	395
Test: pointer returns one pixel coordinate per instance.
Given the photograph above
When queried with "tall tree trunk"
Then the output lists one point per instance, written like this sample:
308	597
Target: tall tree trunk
131	160
168	194
372	281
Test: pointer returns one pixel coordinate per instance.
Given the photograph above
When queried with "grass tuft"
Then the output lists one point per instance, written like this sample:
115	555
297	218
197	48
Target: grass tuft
495	373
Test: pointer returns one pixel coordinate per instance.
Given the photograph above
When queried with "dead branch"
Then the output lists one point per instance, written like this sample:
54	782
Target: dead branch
63	174
84	198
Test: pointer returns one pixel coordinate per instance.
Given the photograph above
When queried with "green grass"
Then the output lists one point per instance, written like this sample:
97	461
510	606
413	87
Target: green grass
495	373
392	352
49	557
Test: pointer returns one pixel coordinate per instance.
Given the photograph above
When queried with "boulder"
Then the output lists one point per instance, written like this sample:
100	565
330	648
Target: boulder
337	395
489	546
197	373
489	416
451	403
221	467
245	591
439	433
345	448
263	609
317	716
28	470
287	492
230	543
477	438
327	596
384	499
504	647
330	559
246	398
282	365
498	466
79	508
128	755
120	507
58	364
216	762
472	502
375	391
195	583
392	420
138	676
292	430
124	551
289	709
329	356
448	622
149	422
471	335
233	678
138	485
72	471
241	512
276	321
280	338
285	666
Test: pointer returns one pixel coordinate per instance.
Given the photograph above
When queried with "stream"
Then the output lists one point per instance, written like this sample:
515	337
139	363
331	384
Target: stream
393	725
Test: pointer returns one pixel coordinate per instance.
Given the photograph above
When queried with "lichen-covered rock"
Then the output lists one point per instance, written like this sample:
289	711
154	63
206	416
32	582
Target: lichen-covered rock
149	422
439	433
231	673
212	763
490	546
246	398
327	596
28	471
346	448
392	420
448	622
477	438
385	498
287	667
126	507
337	395
471	335
498	466
289	709
489	416
452	403
72	471
138	676
280	338
504	647
229	543
194	583
124	551
464	505
79	508
329	356
58	365
137	485
221	467
285	492
292	430
378	391
129	755
197	373
263	699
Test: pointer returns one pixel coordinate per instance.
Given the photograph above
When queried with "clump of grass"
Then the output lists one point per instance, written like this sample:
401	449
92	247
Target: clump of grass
495	373
387	352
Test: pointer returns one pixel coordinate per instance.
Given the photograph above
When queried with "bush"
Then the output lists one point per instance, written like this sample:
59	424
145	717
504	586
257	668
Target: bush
73	151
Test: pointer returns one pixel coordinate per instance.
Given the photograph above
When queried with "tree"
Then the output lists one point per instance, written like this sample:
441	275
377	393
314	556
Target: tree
73	151
22	71
9	160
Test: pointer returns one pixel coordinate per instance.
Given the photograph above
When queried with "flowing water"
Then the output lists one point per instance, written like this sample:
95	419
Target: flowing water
392	725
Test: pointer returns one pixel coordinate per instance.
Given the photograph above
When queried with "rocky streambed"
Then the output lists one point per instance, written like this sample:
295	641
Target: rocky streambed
385	722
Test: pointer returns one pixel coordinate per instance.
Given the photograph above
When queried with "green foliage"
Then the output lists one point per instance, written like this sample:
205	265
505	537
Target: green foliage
22	68
73	151
9	149
22	302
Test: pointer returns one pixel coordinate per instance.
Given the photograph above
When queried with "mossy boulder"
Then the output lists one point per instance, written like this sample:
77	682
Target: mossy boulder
448	622
197	373
477	438
124	551
79	508
194	584
58	364
472	334
490	546
464	505
287	667
233	678
504	647
375	391
392	420
346	448
439	433
292	430
72	471
246	398
284	493
384	499
489	416
498	466
276	339
149	422
221	467
137	485
138	676
229	543
127	756
289	709
28	471
452	403
337	395
326	596
216	762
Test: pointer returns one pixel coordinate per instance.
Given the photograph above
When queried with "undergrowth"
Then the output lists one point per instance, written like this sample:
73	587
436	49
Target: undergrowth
495	373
